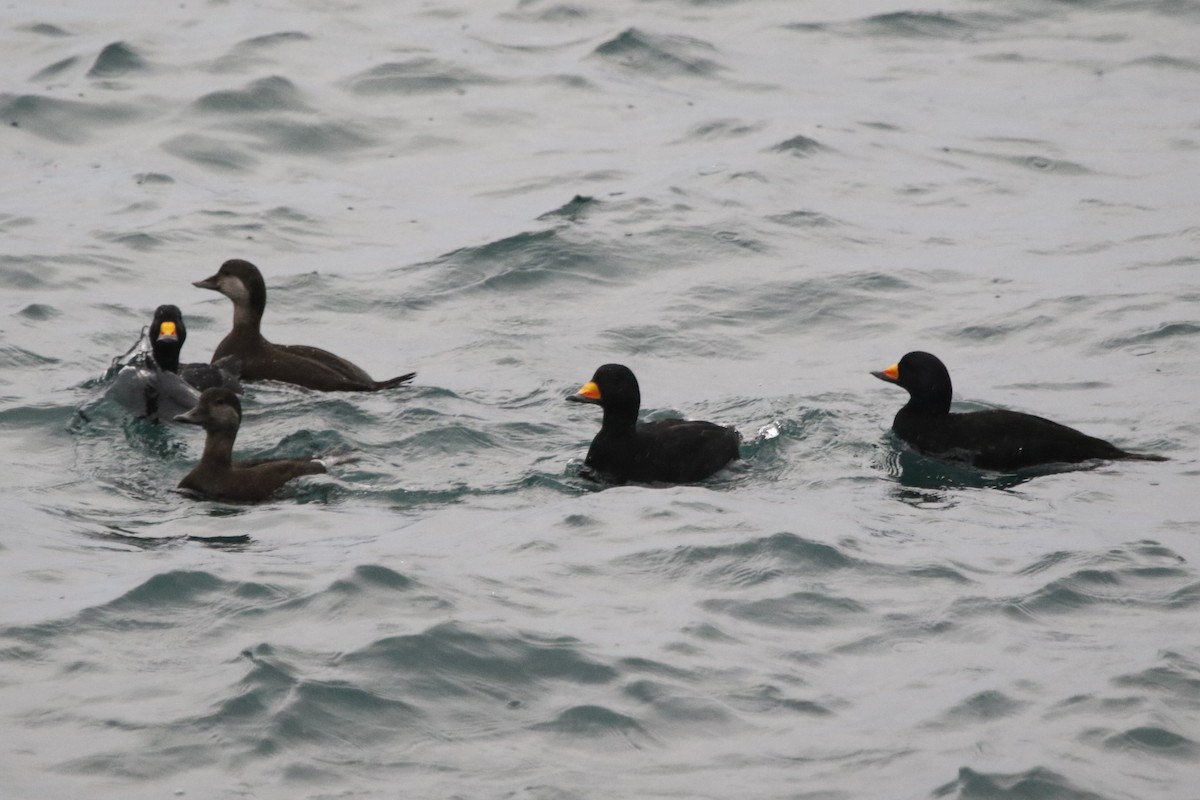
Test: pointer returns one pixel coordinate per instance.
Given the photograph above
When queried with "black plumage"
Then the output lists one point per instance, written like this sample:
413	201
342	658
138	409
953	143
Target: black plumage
996	439
167	337
155	385
662	451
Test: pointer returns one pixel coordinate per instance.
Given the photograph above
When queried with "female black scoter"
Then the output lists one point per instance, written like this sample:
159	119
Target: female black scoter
157	386
305	366
995	439
218	476
663	451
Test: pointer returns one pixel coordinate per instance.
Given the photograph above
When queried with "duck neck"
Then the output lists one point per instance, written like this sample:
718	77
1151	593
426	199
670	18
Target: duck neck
167	358
929	405
246	319
218	448
619	420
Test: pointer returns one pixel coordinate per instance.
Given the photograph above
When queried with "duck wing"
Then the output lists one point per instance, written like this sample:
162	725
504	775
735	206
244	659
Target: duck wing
247	481
664	451
1001	439
330	361
329	369
222	373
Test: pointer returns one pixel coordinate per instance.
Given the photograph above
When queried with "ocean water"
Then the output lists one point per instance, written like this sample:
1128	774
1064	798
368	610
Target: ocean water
752	204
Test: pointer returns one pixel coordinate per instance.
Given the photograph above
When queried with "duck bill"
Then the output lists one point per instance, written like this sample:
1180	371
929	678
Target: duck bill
207	283
891	374
588	393
167	333
196	416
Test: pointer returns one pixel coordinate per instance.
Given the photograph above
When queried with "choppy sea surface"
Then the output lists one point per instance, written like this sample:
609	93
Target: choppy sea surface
752	204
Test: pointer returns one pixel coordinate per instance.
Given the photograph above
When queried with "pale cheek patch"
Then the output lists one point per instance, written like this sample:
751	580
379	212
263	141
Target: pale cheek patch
227	418
236	291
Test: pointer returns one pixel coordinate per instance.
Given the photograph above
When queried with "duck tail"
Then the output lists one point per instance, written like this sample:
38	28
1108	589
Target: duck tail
1143	457
392	383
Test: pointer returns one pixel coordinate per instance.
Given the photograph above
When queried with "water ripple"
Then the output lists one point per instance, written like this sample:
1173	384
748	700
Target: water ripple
660	55
117	59
275	93
67	121
415	76
1035	782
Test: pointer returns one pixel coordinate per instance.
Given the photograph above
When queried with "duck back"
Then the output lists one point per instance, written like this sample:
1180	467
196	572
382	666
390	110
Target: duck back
247	481
663	451
1000	439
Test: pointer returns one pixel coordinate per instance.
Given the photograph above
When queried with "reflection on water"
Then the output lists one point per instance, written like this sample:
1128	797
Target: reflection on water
914	470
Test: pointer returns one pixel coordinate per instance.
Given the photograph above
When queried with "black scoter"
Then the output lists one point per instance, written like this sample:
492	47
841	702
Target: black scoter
218	476
155	385
663	451
261	360
167	337
995	439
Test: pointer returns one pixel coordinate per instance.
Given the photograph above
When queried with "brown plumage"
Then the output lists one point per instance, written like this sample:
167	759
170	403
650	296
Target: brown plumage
218	476
310	367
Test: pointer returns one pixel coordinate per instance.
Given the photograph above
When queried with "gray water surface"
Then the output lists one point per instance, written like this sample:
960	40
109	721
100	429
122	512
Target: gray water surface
752	204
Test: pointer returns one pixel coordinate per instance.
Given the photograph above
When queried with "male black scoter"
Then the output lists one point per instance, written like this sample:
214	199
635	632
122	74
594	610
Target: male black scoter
261	360
995	439
167	336
157	386
663	451
218	476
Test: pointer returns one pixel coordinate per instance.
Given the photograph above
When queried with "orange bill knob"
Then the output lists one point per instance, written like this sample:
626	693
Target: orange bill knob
891	374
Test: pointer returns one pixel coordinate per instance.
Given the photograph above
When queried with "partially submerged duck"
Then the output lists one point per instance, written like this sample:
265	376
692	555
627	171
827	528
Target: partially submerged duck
662	451
167	336
996	439
218	476
310	367
155	385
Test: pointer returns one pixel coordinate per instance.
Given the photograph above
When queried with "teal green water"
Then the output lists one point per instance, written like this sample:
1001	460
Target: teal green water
753	205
